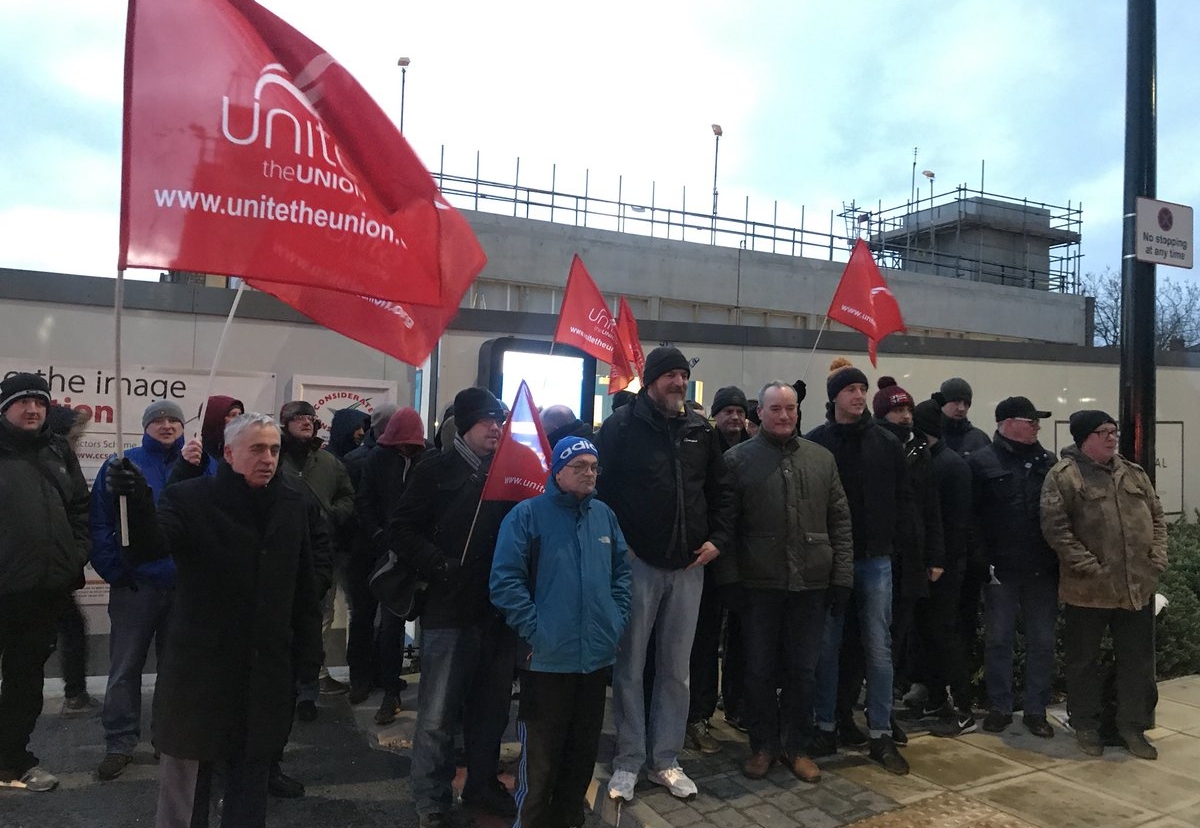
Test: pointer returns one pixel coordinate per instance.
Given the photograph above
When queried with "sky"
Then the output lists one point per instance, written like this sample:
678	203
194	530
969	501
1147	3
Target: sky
820	103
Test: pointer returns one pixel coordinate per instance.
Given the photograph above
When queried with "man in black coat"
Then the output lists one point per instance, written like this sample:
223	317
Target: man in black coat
1007	481
246	617
468	654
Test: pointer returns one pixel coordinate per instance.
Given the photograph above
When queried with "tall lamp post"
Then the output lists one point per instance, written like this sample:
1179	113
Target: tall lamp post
932	240
403	64
716	128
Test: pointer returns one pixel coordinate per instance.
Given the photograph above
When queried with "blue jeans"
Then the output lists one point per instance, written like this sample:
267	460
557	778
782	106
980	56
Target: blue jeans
666	602
466	683
1035	599
872	605
138	617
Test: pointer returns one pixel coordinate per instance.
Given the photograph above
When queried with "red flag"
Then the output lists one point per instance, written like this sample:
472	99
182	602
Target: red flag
627	356
248	151
521	465
407	332
584	319
863	300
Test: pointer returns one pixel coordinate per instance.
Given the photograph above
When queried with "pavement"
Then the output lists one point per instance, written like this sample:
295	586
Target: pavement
357	775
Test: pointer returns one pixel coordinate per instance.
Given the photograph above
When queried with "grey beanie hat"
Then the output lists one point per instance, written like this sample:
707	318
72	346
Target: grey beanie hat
956	389
158	410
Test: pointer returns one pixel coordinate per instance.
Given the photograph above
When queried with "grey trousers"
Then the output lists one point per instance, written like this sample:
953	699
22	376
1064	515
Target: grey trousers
188	789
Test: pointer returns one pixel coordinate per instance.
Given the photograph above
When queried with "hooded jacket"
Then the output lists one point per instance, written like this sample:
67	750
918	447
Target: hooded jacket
920	545
561	578
212	438
44	539
793	528
1006	482
154	461
385	476
1106	524
666	482
346	421
324	475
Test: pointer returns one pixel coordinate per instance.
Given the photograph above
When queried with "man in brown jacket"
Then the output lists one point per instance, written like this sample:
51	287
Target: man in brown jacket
1101	515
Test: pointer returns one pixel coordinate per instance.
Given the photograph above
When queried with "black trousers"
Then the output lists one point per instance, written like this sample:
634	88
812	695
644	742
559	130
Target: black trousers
943	662
559	721
781	722
362	653
188	789
1133	650
704	667
27	634
72	645
733	666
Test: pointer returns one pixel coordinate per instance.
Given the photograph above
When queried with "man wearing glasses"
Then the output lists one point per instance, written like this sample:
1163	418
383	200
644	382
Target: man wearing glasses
1102	517
441	528
1023	570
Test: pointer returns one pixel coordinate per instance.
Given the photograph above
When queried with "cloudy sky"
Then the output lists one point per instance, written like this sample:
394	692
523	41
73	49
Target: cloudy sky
820	102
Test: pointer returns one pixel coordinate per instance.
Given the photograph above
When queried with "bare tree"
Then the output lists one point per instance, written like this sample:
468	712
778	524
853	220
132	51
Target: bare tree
1177	310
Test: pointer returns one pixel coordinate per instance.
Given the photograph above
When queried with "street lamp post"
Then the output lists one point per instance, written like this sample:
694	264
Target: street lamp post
716	128
403	64
932	240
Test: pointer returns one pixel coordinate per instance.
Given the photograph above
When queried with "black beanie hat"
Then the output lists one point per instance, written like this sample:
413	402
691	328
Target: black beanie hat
956	389
842	373
927	418
730	395
293	409
1085	422
663	359
890	395
474	404
752	412
19	386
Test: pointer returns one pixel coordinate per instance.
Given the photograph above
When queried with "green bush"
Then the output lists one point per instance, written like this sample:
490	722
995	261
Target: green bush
1178	634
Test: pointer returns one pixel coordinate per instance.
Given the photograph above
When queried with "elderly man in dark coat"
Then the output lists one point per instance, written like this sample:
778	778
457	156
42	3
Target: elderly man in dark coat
246	616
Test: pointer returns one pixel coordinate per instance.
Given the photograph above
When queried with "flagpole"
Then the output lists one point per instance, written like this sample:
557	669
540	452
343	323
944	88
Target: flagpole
118	301
813	352
212	373
471	531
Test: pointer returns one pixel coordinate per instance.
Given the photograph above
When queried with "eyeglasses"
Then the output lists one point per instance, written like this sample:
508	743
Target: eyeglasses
584	468
1107	432
1029	420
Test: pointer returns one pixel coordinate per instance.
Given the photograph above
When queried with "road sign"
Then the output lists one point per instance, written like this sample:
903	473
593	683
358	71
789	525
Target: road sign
1164	233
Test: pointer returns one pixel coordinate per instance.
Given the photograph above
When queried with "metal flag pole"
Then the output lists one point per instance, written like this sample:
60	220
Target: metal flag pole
118	301
212	372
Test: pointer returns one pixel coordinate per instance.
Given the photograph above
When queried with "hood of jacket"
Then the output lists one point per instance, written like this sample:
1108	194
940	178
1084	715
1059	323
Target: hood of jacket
404	428
346	421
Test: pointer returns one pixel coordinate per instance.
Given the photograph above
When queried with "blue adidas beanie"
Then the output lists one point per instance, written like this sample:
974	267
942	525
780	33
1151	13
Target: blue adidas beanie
568	448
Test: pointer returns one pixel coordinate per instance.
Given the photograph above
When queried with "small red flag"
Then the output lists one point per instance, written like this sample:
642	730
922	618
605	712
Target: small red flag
248	151
863	300
627	356
584	319
520	466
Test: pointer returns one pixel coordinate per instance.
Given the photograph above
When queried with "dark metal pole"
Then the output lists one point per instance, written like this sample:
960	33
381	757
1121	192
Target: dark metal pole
403	80
716	152
1137	379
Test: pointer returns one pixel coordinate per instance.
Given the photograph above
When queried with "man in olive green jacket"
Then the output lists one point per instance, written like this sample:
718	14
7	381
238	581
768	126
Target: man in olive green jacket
1100	514
793	562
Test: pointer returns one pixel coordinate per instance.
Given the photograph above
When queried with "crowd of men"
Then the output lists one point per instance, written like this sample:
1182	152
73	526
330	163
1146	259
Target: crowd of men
791	576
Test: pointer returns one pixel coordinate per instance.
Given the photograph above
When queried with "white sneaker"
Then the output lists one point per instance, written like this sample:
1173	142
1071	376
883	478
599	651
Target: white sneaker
621	785
675	781
36	779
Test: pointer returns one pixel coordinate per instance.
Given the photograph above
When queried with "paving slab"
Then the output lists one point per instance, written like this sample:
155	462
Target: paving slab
1148	784
1185	690
946	810
1049	801
954	764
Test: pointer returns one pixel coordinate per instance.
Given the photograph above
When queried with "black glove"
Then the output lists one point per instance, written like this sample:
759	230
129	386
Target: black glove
837	598
125	480
445	570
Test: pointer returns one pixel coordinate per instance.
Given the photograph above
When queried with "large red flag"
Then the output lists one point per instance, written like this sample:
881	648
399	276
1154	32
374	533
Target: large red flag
863	300
248	151
584	319
627	356
521	464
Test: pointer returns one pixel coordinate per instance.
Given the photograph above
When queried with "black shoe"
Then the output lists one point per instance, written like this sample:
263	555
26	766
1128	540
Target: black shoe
330	686
850	734
1037	725
898	734
995	722
453	818
283	786
389	706
938	710
1137	744
112	765
823	743
1090	742
883	751
492	797
306	711
359	693
957	724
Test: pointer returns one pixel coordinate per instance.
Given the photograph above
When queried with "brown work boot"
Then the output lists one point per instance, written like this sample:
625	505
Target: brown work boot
758	764
803	768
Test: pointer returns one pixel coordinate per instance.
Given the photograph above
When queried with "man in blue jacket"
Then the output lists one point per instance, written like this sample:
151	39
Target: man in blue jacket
561	577
139	598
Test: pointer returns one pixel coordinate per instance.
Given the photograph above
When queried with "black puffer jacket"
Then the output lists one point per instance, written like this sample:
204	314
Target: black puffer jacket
666	482
952	477
44	540
434	520
919	544
1007	489
871	464
962	437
